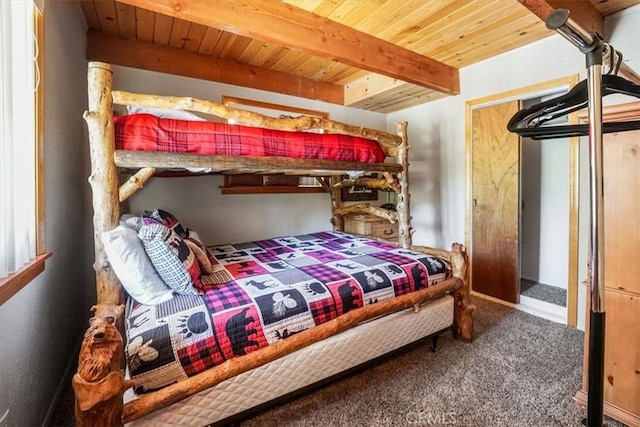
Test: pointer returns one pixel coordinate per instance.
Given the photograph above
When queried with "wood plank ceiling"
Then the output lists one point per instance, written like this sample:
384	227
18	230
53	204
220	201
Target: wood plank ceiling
349	52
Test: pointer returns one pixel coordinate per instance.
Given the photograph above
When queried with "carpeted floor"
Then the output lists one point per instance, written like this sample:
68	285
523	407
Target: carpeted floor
540	291
520	371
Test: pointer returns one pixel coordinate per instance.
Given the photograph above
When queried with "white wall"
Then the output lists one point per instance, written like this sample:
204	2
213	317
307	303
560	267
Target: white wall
41	325
554	213
437	129
530	196
197	201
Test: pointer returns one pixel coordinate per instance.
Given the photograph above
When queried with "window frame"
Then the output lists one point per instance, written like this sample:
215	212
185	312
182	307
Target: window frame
15	281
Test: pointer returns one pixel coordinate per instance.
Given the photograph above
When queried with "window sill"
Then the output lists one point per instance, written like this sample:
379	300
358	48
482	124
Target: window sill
11	284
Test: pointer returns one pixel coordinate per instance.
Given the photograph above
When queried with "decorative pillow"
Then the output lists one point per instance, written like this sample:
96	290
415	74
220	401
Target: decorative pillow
133	267
165	113
200	251
172	258
169	220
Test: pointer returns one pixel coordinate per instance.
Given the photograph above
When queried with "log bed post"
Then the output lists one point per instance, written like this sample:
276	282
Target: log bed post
103	178
402	206
94	405
336	204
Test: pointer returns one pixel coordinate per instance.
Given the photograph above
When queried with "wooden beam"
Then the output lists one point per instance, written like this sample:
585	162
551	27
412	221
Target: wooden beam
295	28
368	86
149	56
581	11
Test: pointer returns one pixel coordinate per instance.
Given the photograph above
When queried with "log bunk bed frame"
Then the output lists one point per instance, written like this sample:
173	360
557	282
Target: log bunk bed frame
104	404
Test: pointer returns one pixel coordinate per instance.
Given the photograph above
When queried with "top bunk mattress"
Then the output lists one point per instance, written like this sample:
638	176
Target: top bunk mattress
146	132
272	289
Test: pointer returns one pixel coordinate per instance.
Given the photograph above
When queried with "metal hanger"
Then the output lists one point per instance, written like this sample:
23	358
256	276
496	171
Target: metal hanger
528	122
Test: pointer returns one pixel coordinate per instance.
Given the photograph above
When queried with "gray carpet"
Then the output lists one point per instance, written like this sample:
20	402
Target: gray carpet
542	292
520	371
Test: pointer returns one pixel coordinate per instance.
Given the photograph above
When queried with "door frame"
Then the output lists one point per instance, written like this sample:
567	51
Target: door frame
539	89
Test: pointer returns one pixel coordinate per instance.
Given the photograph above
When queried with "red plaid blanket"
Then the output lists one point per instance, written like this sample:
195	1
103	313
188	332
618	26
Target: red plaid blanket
145	132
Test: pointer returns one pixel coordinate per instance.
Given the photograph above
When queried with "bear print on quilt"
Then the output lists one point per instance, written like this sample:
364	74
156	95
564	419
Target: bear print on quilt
278	287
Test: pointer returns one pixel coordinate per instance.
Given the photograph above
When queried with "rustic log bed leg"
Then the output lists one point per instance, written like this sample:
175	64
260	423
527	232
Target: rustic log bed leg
463	309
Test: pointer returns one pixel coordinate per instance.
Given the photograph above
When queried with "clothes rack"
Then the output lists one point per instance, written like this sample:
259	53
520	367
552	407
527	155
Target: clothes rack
619	76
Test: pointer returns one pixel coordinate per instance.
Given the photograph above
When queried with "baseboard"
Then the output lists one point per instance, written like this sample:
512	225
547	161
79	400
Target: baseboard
555	313
538	308
64	383
613	411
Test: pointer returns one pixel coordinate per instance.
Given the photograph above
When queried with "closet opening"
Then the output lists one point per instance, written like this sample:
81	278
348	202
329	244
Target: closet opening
544	220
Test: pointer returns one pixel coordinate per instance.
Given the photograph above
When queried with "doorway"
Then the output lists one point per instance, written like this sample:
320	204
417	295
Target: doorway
522	211
544	218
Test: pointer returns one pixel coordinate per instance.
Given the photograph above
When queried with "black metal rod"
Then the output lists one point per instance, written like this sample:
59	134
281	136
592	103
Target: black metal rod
595	388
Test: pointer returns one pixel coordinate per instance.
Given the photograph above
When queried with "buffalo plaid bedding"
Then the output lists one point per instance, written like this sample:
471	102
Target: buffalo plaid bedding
276	288
145	132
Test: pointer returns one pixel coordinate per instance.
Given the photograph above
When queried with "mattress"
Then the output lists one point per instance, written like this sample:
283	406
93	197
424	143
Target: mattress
146	132
304	367
270	290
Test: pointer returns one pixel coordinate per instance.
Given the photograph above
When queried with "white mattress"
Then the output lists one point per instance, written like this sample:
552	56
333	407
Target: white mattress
304	367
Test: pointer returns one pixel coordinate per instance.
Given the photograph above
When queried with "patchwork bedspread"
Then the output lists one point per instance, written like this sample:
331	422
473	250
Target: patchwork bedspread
145	132
273	289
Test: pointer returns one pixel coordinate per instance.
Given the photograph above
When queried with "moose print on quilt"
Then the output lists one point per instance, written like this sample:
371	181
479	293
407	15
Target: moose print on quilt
276	288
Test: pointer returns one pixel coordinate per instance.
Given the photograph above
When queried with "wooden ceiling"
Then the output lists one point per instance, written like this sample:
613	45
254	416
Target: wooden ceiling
379	55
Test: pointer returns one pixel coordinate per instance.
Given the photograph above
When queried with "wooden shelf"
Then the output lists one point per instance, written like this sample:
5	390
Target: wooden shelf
273	189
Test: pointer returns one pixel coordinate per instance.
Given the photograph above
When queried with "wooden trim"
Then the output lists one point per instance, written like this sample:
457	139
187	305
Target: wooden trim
228	100
40	117
165	59
297	29
232	367
574	225
614	113
11	284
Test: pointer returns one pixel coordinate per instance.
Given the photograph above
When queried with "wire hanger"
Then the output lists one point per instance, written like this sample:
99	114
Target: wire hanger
527	122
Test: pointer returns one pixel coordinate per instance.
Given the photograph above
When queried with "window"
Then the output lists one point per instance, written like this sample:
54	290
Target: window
22	251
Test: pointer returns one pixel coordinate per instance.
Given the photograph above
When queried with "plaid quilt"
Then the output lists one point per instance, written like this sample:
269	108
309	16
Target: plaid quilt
275	288
145	132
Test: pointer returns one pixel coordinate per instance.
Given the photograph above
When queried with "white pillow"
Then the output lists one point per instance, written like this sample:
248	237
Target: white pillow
131	221
165	113
133	267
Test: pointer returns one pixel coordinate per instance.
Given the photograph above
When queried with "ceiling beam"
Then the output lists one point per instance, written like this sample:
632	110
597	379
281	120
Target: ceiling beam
164	59
295	28
581	11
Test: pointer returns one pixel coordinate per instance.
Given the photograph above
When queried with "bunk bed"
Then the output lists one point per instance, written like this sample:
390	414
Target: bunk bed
428	294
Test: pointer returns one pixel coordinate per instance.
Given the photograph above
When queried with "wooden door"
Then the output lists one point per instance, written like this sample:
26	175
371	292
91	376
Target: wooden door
495	193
